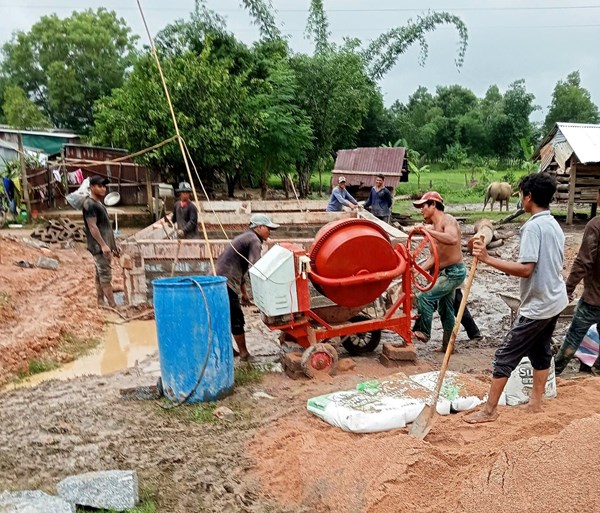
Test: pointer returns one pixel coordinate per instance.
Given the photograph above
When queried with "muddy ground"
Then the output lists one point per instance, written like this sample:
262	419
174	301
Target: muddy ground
274	456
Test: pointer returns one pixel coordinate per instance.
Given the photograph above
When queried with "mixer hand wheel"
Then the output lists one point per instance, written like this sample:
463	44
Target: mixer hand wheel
421	250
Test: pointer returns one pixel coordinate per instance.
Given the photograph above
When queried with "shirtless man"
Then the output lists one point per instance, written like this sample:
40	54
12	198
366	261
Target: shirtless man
445	231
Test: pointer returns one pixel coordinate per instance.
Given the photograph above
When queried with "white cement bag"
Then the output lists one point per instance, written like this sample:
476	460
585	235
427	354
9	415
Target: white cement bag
519	385
464	391
375	406
588	350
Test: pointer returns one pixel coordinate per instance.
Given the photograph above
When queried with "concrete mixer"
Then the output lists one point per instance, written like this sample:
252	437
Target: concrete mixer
351	263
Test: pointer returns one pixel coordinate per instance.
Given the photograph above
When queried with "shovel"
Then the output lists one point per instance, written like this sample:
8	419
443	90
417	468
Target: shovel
424	422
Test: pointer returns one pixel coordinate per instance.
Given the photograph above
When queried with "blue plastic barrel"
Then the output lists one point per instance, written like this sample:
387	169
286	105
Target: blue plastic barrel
194	337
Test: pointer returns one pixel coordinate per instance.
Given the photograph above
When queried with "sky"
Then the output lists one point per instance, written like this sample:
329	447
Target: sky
538	41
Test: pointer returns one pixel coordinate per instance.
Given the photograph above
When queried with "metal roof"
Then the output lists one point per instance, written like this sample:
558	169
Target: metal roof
48	133
361	165
579	138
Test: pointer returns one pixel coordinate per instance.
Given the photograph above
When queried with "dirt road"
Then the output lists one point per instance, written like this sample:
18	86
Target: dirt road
275	456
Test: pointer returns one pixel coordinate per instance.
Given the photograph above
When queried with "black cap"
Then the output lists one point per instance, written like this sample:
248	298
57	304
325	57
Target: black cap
99	180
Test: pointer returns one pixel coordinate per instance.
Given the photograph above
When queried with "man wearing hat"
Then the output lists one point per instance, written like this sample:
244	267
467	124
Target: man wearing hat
445	231
100	238
233	263
340	198
185	214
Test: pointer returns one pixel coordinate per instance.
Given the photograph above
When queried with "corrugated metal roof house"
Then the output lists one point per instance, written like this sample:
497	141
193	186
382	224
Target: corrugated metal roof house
47	141
572	152
361	165
8	152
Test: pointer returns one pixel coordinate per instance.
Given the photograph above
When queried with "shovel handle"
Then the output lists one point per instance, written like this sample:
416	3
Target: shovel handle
459	315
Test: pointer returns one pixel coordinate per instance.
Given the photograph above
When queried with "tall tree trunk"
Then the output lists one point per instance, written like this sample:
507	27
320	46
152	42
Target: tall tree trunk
231	179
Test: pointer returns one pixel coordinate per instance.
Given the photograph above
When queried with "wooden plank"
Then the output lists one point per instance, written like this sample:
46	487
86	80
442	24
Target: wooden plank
572	181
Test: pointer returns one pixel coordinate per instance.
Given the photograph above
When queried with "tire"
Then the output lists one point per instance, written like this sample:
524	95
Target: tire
324	354
361	343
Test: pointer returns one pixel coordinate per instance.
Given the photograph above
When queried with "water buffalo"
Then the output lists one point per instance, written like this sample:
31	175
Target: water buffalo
497	191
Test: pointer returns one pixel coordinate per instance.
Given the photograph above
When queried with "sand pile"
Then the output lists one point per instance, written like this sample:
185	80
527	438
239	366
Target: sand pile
521	463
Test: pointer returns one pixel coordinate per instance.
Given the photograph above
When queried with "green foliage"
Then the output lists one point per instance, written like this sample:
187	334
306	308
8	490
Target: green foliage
490	126
262	14
147	506
37	366
335	93
247	375
283	131
571	102
65	65
317	26
21	112
455	155
381	55
203	413
417	170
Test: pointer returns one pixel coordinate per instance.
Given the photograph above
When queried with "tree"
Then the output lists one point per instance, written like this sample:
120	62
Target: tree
335	92
283	132
571	102
21	112
65	65
210	106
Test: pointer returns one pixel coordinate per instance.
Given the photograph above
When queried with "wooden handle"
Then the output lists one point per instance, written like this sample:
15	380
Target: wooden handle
459	314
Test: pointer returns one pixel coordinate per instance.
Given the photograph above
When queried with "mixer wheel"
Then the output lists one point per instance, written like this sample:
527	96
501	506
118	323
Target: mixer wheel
318	360
361	343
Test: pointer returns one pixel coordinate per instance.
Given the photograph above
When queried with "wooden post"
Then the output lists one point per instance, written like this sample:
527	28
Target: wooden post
572	180
24	183
149	193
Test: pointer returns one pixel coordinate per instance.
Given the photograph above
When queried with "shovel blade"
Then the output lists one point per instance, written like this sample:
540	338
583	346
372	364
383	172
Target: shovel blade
423	423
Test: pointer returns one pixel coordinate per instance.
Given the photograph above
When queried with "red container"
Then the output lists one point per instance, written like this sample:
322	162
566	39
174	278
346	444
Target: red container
353	262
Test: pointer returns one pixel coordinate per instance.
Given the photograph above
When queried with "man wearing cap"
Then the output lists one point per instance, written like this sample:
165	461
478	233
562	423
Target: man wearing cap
340	198
445	231
185	214
100	238
233	263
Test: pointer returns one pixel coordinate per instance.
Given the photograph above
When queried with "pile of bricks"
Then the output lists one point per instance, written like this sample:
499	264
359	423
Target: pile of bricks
59	230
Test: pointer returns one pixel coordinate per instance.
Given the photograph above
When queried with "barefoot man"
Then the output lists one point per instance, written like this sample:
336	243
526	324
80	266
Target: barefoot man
543	295
446	233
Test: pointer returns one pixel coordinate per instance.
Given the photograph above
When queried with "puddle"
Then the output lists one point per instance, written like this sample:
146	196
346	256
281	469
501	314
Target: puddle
123	345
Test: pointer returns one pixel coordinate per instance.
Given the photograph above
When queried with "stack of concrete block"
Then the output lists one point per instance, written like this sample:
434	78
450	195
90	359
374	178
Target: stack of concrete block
59	230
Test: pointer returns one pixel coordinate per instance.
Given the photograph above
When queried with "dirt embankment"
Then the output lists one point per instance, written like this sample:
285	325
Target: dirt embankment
41	309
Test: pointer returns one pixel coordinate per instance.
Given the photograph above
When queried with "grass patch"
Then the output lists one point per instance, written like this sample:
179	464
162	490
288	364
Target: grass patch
247	375
203	413
37	366
76	346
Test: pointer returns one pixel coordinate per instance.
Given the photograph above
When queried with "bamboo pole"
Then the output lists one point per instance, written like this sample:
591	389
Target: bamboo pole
24	183
179	138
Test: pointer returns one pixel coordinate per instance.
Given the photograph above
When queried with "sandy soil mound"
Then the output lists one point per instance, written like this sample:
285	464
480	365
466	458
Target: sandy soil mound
523	462
38	307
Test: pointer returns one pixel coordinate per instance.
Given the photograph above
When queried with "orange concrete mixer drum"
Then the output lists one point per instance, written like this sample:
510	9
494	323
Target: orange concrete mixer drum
353	262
